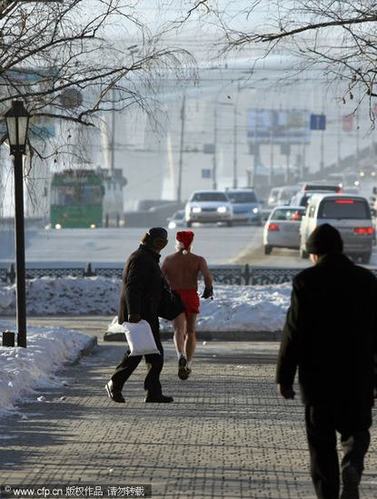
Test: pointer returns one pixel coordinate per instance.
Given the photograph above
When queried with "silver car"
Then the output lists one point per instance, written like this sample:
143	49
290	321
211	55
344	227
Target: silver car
282	229
208	206
245	204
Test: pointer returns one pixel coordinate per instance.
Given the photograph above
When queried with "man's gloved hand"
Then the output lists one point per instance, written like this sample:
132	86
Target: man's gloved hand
134	318
286	391
208	292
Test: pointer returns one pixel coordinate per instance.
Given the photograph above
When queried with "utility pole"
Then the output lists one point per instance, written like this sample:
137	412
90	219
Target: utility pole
303	163
357	139
112	142
181	145
235	145
338	140
271	172
214	169
322	163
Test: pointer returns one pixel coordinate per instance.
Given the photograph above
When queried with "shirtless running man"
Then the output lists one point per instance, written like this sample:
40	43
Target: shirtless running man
182	269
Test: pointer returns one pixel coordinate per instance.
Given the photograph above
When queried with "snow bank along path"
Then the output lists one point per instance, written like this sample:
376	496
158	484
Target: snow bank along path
24	370
235	308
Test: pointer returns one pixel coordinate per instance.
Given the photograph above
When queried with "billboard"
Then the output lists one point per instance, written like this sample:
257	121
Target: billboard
40	128
279	126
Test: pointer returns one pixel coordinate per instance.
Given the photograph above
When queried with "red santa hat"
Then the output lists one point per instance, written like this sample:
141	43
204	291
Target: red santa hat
185	237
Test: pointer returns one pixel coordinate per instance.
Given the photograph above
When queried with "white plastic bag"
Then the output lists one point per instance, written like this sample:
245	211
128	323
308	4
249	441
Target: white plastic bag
140	338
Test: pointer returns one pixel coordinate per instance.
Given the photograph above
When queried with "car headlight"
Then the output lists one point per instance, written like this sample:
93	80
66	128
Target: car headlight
222	209
255	210
58	226
196	209
172	225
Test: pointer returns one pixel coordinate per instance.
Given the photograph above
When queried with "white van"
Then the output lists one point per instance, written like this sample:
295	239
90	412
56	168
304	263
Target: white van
301	198
349	214
280	196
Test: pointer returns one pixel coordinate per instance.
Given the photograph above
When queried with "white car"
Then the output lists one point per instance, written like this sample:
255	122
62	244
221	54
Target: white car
207	207
282	229
349	214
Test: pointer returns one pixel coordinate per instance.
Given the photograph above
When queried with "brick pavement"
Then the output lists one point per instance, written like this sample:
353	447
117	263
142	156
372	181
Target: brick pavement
227	435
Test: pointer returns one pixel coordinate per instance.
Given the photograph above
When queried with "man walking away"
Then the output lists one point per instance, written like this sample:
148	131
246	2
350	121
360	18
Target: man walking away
140	298
181	270
330	335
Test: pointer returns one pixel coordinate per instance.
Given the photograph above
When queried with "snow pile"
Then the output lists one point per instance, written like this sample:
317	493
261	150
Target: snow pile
65	296
235	308
245	308
24	370
238	308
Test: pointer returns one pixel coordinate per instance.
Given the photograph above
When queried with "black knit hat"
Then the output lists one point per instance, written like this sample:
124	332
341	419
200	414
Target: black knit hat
323	240
158	233
154	233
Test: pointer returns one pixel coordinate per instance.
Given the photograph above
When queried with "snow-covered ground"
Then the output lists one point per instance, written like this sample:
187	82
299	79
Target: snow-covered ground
25	370
235	308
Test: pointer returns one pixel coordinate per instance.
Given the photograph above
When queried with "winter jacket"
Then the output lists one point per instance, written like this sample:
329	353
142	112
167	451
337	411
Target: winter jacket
330	333
142	286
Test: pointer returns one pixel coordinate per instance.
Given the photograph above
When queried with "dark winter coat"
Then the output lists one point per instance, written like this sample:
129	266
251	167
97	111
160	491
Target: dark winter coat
330	333
142	286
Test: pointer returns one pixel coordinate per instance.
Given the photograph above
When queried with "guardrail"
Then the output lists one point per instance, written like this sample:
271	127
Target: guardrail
222	274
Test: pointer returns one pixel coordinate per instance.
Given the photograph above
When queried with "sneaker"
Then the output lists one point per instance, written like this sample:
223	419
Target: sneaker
159	399
115	395
351	479
188	371
182	371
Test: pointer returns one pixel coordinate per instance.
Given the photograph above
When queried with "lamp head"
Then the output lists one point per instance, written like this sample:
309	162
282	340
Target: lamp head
17	121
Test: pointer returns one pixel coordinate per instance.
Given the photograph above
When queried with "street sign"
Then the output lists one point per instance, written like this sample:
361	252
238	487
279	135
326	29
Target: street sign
206	173
317	122
209	148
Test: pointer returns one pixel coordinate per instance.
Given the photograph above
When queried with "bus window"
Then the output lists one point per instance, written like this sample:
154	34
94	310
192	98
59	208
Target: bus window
62	195
90	194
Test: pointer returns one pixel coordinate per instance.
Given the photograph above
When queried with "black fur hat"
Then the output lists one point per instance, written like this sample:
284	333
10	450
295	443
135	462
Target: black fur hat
323	240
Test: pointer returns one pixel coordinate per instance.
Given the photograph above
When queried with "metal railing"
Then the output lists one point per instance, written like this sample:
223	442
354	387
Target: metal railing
222	274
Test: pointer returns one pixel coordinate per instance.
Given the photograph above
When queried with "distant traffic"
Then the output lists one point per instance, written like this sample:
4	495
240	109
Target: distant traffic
291	213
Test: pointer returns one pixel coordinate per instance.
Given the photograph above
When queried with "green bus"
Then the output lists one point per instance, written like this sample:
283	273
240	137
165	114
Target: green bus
76	199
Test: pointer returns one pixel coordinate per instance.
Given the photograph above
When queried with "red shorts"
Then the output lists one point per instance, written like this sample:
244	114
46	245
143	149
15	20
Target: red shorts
190	299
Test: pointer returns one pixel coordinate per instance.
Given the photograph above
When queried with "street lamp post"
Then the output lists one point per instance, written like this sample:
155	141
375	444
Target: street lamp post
17	121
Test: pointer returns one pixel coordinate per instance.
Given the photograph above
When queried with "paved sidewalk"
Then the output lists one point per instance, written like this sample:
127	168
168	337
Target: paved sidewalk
227	435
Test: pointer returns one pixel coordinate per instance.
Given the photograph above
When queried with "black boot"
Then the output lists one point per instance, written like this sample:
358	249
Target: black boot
351	480
159	399
182	368
115	395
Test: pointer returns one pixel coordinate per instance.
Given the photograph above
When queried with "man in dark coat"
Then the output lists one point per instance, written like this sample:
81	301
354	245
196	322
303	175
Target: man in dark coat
330	335
140	298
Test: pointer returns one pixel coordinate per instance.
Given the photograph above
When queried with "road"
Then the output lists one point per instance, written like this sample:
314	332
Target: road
220	245
254	255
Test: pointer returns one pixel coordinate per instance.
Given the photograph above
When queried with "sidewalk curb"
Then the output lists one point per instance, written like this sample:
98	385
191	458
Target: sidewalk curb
212	335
